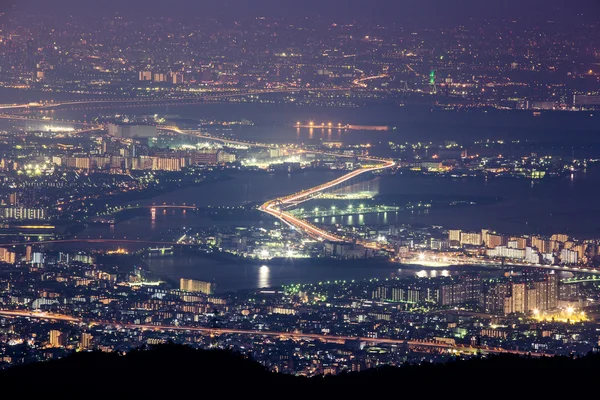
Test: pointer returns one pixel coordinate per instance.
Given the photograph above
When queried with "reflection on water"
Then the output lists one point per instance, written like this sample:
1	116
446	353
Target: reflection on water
264	277
234	276
432	273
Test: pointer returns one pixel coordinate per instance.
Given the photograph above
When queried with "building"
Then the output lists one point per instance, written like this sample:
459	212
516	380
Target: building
176	78
492	297
145	75
568	256
493	240
192	285
532	255
516	301
470	238
541	244
224	157
158	77
56	338
439	244
22	213
204	158
168	164
7	256
517	242
560	237
129	131
582	100
506	252
454	235
86	341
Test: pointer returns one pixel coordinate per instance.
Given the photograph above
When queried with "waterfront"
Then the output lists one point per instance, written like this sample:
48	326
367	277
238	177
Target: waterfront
507	205
231	276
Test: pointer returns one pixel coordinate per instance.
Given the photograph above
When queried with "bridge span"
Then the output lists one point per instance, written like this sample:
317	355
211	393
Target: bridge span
274	207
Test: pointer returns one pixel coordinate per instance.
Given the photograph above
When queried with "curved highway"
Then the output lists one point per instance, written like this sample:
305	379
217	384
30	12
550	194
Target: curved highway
274	207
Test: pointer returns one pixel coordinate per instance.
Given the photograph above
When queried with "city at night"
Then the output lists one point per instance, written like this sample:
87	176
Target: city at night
315	194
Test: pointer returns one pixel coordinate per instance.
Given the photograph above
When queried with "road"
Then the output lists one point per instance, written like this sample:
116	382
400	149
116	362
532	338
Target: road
274	207
292	335
199	97
94	240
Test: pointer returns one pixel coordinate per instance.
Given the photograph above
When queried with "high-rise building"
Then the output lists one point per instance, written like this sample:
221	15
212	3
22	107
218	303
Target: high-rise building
569	256
492	297
192	285
540	243
7	256
560	237
56	338
158	77
145	75
494	240
470	238
517	242
516	301
86	341
13	199
454	235
176	78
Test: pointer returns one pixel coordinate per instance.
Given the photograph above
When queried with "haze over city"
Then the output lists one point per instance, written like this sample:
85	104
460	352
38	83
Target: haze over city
306	189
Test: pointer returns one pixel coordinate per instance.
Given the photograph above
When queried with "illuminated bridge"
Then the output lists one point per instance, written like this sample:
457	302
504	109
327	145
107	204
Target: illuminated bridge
581	279
275	207
336	212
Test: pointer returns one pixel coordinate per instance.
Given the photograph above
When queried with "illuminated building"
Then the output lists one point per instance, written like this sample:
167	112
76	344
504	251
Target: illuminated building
494	240
176	78
554	245
517	243
7	256
192	285
516	302
569	256
559	237
204	158
469	238
21	213
158	77
86	341
454	235
28	250
168	164
13	199
506	252
492	297
145	75
224	157
56	338
540	243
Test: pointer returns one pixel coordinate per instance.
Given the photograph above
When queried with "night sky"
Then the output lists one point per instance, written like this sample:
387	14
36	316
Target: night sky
394	10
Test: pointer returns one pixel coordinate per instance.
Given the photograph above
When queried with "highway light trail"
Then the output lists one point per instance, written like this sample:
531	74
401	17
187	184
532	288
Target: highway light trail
273	207
291	335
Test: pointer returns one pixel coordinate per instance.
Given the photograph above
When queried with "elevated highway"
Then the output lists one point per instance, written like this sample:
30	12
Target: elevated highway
275	207
441	345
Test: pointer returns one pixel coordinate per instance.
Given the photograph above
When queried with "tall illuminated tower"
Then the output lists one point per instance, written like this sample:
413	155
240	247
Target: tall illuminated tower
432	81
